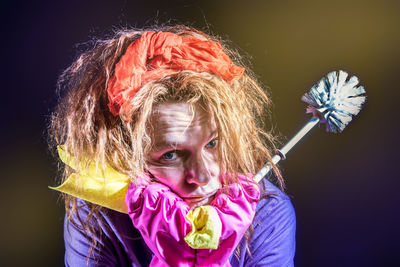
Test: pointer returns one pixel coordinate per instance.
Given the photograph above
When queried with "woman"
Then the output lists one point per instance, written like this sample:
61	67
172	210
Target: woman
169	110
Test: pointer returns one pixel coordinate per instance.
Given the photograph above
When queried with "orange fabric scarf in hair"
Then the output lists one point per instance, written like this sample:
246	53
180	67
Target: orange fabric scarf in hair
158	54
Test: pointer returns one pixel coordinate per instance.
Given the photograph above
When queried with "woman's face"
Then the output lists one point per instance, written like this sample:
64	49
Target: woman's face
185	155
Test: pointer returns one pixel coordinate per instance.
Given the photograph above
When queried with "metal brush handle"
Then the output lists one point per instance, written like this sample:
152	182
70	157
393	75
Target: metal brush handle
286	148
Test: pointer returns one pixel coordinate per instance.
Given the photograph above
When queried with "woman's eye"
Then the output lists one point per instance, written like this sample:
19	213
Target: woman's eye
212	143
169	156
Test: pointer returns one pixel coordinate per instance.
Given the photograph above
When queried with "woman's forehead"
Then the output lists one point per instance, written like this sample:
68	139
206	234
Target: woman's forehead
173	121
171	114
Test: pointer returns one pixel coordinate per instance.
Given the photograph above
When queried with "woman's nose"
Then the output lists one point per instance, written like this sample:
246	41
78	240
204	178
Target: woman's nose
197	171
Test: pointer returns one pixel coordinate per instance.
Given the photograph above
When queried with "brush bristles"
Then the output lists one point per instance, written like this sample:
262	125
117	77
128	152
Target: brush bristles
336	100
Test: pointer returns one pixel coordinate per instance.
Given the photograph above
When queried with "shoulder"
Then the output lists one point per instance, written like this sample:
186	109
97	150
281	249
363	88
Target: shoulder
274	204
273	241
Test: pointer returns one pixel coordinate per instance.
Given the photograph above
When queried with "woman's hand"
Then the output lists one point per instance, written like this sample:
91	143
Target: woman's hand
159	215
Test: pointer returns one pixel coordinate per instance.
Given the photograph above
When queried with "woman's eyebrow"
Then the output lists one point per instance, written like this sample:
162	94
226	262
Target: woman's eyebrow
213	134
164	145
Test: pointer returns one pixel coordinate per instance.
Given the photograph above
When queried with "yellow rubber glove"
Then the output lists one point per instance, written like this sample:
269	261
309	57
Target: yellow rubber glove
206	228
106	188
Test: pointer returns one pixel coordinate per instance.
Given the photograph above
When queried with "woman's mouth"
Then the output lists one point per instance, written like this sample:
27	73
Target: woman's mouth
196	201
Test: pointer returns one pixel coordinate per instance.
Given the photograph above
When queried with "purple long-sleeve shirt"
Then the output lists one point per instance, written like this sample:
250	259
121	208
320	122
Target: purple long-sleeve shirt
120	244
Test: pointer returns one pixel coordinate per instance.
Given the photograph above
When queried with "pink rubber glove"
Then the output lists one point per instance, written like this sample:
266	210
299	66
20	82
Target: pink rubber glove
235	205
159	215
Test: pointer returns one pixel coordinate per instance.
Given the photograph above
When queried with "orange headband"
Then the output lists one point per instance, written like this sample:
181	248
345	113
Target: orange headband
158	54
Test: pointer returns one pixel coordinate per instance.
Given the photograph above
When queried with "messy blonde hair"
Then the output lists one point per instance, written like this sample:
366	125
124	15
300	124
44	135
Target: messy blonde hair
83	123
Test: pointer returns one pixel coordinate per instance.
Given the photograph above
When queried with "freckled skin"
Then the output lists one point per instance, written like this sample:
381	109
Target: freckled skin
184	156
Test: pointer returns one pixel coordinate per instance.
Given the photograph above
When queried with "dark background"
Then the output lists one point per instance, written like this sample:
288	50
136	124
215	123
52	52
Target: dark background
344	187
